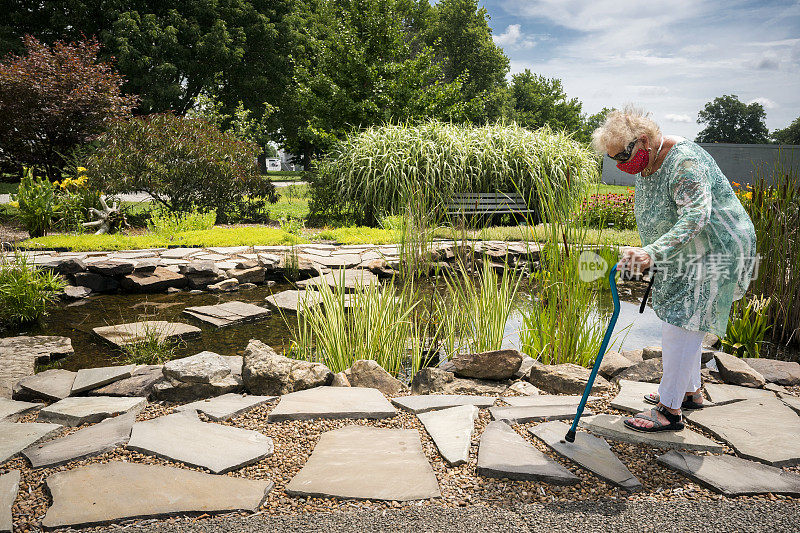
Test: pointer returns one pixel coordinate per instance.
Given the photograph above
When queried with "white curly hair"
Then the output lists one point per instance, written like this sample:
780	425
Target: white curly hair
621	127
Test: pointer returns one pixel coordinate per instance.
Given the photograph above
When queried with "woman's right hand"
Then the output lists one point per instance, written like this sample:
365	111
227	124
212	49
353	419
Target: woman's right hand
635	260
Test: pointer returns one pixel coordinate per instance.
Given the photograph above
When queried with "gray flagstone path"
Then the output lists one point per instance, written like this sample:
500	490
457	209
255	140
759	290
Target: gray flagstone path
87	442
612	427
545	400
367	463
451	430
334	403
15	437
226	406
102	493
764	430
422	403
79	410
11	409
228	313
54	384
732	476
592	453
183	437
724	393
522	415
503	453
292	300
92	378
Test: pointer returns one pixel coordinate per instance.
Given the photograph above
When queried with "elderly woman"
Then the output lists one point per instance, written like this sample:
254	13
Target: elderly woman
697	239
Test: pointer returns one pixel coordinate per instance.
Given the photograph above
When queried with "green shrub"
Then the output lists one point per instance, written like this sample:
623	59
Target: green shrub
169	225
37	203
185	164
375	172
25	291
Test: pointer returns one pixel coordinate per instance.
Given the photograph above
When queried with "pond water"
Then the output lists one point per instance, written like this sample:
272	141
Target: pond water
76	321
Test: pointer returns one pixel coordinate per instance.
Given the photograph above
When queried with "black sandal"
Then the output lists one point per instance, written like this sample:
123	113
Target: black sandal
675	422
688	403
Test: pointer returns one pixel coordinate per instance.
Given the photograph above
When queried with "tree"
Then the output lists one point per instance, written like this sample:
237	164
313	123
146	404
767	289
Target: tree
540	101
592	122
729	120
362	63
459	32
790	134
54	99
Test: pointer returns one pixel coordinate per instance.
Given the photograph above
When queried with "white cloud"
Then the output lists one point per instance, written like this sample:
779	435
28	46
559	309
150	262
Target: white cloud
672	117
650	90
765	102
514	38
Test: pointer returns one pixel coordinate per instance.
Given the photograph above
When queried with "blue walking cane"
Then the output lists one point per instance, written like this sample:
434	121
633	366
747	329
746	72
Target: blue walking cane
570	437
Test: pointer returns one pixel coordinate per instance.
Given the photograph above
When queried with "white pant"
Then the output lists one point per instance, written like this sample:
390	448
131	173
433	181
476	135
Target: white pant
681	350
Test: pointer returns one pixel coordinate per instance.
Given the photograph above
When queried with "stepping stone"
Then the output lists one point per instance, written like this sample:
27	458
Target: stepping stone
351	278
87	442
332	403
545	400
54	384
103	493
9	487
592	453
732	476
77	411
292	300
764	430
226	406
721	393
504	454
19	356
451	430
631	396
183	437
92	378
139	384
124	334
15	437
10	410
367	463
774	371
228	313
612	427
422	403
522	415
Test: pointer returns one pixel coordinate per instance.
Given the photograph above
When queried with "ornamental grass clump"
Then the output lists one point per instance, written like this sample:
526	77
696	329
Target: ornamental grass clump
380	170
25	291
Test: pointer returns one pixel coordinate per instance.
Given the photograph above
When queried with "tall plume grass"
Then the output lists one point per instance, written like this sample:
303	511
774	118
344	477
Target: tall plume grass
374	172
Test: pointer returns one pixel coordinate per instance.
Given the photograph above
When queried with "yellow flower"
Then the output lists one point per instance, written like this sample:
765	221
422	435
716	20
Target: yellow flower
14	204
748	195
81	169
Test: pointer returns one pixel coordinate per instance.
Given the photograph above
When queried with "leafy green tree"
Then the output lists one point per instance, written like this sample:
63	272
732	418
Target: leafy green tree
360	63
790	134
540	101
459	32
592	122
729	120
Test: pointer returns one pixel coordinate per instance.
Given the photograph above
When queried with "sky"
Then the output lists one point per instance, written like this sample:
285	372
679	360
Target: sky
669	57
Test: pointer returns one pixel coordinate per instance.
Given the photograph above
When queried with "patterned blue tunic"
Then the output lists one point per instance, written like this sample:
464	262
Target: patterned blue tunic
699	236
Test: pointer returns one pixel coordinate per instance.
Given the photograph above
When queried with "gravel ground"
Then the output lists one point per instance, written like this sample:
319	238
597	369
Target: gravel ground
465	496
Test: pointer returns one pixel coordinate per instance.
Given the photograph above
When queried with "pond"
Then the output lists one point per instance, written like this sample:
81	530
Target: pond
76	321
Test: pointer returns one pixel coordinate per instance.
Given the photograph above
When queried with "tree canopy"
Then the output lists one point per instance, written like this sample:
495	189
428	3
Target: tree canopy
729	120
790	134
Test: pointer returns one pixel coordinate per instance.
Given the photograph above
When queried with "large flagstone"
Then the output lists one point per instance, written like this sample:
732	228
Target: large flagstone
504	454
102	493
592	453
292	300
10	410
422	403
15	437
631	396
791	401
350	278
367	463
228	313
536	413
92	378
612	427
87	442
546	400
451	431
54	384
9	487
723	393
226	406
332	402
764	430
183	437
124	334
78	410
732	476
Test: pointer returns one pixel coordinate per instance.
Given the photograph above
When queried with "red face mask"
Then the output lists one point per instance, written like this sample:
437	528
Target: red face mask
635	164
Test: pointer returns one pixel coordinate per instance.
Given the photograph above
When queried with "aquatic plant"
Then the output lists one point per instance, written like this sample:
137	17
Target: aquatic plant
747	327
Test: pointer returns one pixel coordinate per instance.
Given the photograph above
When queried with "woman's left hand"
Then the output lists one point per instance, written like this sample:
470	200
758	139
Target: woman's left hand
635	260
